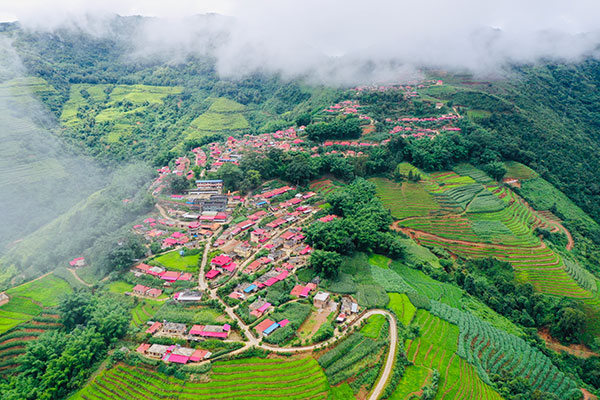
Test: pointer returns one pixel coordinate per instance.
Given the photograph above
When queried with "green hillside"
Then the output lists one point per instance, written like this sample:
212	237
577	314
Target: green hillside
223	116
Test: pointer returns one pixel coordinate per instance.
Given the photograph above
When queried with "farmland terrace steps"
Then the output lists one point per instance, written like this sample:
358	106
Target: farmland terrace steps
126	382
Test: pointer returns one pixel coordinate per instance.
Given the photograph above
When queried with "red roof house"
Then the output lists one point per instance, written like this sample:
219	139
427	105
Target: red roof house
171	276
142	348
213	273
260	328
155	327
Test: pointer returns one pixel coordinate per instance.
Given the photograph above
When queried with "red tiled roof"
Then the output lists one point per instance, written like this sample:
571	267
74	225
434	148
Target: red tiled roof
198	355
212	273
221	260
155	326
140	288
263	325
185	277
177	358
171	275
142	348
143	267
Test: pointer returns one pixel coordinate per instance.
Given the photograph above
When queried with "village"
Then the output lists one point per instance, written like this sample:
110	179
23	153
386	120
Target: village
248	246
245	255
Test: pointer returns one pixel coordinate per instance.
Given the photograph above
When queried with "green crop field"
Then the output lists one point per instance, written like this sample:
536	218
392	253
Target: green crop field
28	300
413	380
325	186
471	171
46	291
437	347
493	351
144	311
379	261
173	261
119	287
358	357
222	116
14	343
428	286
500	224
517	170
252	378
402	307
406	199
373	326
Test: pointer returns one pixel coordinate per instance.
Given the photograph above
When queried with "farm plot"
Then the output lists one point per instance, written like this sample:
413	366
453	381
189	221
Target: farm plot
493	351
253	378
144	311
222	116
121	105
428	286
29	300
516	170
451	226
407	199
174	261
325	186
13	343
402	307
436	348
357	357
413	381
477	174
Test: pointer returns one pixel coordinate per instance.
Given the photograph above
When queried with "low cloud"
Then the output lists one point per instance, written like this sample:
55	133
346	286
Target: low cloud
351	41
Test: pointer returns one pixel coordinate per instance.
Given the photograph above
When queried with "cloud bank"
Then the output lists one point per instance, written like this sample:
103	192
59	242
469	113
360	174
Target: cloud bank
351	41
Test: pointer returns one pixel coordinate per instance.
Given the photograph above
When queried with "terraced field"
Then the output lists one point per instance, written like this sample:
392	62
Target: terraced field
13	344
492	221
120	105
30	299
493	351
436	348
325	186
223	116
144	311
406	199
254	378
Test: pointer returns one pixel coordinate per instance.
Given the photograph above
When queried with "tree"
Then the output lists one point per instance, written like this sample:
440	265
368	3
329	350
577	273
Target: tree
75	308
231	175
299	170
568	325
495	169
177	184
325	263
304	119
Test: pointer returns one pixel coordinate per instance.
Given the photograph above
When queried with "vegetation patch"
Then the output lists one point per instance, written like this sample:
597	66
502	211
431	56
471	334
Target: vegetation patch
405	199
174	261
401	306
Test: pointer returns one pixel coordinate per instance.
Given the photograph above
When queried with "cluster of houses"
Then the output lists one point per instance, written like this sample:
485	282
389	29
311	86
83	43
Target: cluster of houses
195	333
160	272
344	107
145	291
173	353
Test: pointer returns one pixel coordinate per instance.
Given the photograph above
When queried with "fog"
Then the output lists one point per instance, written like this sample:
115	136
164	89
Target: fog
40	177
341	42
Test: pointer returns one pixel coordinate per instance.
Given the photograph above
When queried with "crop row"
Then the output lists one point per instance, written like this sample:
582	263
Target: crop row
493	351
304	379
436	349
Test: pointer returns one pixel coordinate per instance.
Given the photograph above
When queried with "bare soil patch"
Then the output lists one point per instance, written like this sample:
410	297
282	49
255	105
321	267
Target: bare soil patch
578	350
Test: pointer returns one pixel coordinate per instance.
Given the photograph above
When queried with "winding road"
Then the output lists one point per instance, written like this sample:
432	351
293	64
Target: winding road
253	341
